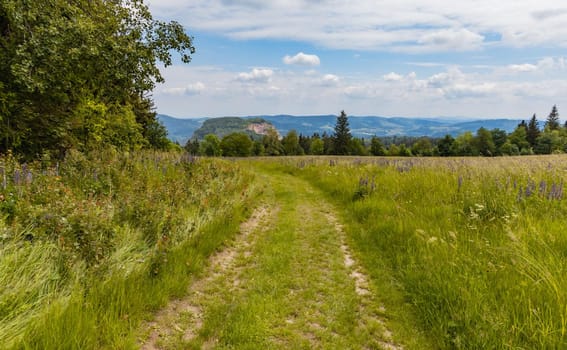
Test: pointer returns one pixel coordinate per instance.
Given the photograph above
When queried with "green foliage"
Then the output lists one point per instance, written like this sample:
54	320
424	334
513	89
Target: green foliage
272	144
533	131
258	148
192	146
358	148
519	138
548	142
499	137
290	144
445	146
317	147
552	122
62	59
236	145
376	147
90	244
464	145
423	147
210	146
342	137
484	143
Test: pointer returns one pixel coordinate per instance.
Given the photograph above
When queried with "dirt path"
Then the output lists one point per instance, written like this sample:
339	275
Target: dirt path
183	318
289	280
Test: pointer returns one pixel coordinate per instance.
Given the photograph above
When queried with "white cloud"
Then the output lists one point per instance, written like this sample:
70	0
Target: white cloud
330	80
302	59
451	76
544	64
525	67
451	40
365	91
410	26
393	77
189	90
257	75
470	90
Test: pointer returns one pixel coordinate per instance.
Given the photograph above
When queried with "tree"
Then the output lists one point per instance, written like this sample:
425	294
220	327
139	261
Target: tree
305	143
342	137
445	146
258	148
464	145
76	74
484	143
272	144
519	138
210	146
376	147
552	122
509	149
236	144
327	143
422	147
549	142
291	145
533	131
317	147
156	135
499	137
404	151
357	147
192	146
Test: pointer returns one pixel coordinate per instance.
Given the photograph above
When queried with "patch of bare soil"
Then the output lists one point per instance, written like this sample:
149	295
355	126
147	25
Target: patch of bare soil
362	288
185	316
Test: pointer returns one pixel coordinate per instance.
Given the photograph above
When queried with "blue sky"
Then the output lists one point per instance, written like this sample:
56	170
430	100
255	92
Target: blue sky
415	58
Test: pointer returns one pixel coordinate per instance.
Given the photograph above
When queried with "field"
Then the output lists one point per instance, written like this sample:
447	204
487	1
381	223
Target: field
89	247
304	252
477	247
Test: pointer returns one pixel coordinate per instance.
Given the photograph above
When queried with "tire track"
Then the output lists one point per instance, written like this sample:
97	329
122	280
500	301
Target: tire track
183	318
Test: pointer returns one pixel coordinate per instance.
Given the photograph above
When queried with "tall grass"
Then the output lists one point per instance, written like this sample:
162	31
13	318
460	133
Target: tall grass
90	246
478	246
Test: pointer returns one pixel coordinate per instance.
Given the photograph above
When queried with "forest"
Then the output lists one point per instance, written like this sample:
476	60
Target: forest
528	138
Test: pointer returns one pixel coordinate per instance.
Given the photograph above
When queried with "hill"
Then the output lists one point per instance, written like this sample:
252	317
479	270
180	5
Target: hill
180	130
368	126
361	126
253	126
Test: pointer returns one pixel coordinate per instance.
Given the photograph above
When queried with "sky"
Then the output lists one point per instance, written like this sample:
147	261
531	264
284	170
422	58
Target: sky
412	58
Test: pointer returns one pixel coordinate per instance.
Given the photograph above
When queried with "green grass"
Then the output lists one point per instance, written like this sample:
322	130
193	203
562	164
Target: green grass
91	246
481	264
464	253
294	289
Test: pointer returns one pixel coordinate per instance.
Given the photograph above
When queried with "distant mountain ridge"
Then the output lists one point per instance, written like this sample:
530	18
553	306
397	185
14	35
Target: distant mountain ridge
255	127
181	130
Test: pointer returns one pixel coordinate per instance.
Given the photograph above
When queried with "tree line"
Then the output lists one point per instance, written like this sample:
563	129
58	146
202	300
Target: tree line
526	139
78	75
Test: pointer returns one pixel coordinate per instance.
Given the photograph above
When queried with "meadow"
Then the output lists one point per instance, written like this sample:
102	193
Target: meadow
475	248
472	252
89	246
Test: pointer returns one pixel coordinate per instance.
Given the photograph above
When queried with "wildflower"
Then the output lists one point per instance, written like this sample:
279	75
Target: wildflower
542	188
432	240
530	188
17	177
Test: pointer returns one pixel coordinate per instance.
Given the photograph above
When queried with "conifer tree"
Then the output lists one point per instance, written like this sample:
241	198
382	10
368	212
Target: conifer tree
533	131
342	137
552	122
